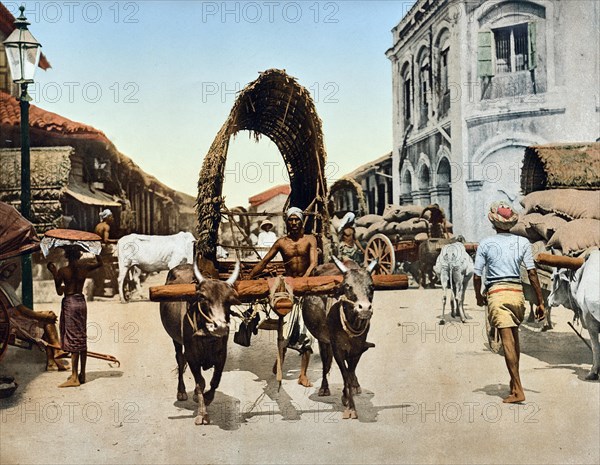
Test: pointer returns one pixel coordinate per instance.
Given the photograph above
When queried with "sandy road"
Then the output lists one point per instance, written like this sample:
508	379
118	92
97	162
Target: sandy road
431	394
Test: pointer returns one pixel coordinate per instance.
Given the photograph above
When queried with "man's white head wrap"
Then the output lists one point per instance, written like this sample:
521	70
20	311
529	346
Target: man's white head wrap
347	220
105	214
295	211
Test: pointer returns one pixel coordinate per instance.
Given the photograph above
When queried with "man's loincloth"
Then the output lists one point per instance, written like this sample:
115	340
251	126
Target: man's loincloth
506	305
73	321
295	333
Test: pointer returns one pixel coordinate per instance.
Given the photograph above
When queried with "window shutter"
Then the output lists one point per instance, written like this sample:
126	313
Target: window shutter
484	54
532	32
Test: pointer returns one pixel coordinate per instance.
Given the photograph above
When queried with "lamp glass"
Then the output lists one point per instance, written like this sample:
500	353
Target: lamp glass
23	53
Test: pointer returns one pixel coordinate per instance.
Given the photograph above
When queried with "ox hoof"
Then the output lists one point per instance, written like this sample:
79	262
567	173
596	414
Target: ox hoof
202	420
442	322
349	414
324	392
209	396
592	376
182	396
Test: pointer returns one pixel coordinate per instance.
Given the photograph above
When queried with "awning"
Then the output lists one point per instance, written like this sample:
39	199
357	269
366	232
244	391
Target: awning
84	195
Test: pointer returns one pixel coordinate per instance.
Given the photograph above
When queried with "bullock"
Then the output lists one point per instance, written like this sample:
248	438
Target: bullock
429	251
342	328
579	290
153	253
454	266
201	327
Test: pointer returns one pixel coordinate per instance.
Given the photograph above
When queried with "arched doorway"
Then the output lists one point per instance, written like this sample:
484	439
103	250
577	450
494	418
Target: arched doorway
424	183
442	193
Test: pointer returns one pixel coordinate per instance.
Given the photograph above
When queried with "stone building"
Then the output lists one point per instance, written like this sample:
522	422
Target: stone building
474	83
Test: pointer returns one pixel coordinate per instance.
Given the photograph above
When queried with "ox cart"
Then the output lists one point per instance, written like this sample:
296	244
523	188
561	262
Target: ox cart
390	253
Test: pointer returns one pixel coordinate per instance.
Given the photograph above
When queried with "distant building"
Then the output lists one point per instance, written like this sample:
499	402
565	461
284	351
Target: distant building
375	181
272	200
474	83
76	171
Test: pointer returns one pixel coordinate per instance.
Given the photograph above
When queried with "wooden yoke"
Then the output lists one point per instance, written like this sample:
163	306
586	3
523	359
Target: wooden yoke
253	289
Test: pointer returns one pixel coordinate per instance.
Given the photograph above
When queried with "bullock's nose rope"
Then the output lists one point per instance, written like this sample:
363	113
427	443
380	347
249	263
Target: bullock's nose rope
350	331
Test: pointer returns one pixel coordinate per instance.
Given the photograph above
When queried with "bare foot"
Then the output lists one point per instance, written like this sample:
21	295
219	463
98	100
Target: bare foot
304	381
514	398
72	381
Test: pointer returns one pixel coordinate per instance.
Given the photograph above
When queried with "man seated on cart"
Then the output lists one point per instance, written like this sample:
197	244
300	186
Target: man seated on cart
299	252
39	327
437	221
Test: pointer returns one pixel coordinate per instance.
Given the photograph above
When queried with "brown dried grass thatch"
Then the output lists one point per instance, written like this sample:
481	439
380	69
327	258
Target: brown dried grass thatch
347	183
561	166
276	106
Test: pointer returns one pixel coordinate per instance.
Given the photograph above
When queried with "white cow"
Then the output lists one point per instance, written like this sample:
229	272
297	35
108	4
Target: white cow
153	253
579	290
454	266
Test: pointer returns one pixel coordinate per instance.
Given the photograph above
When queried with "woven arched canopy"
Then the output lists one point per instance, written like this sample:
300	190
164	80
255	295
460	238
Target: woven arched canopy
345	184
276	106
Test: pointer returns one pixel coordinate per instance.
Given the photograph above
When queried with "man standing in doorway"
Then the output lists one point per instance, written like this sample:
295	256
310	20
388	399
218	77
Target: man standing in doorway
498	259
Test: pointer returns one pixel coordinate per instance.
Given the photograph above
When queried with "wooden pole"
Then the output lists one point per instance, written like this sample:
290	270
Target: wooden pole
252	289
559	261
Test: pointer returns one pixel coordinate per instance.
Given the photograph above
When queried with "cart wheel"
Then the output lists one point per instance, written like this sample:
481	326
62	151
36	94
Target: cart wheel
380	248
128	284
493	335
4	327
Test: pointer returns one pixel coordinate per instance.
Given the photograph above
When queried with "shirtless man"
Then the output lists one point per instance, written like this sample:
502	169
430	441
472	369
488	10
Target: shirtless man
299	252
103	228
69	281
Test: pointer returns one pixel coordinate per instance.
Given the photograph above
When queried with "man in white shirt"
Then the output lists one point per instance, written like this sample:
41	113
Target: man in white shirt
266	237
498	259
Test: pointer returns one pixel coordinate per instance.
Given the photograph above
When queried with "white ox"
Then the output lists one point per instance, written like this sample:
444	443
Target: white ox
454	266
153	253
579	290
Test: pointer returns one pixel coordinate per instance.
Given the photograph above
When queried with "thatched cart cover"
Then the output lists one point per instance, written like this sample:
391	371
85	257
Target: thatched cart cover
276	106
561	166
17	236
347	183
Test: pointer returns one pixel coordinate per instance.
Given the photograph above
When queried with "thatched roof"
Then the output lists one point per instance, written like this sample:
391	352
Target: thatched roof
276	106
554	166
346	183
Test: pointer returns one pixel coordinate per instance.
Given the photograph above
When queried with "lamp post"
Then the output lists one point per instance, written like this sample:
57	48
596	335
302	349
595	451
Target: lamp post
23	53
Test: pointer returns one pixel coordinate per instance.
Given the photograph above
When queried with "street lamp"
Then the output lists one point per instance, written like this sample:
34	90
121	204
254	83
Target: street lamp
23	53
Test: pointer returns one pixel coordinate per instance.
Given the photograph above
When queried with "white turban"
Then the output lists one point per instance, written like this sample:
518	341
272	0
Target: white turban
295	211
105	214
347	220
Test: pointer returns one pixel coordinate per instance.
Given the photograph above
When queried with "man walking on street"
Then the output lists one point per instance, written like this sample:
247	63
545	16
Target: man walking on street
498	259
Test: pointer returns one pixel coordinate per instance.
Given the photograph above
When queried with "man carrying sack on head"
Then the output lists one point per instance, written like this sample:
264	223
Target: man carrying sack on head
299	252
498	259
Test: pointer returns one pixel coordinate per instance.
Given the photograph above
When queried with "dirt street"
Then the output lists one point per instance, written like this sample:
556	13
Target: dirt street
431	394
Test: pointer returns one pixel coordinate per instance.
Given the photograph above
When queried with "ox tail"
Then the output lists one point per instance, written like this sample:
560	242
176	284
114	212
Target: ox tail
175	370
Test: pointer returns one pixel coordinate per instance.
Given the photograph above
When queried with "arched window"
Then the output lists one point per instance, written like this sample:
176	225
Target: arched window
406	94
424	68
443	88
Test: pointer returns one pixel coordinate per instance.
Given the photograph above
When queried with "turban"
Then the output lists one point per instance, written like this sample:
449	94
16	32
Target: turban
295	211
105	214
502	215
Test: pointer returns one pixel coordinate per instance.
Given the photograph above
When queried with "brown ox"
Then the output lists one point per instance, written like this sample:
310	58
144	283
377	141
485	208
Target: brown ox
202	328
342	328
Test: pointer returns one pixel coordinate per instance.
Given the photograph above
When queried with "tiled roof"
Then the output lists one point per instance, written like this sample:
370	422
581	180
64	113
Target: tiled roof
7	25
261	198
10	115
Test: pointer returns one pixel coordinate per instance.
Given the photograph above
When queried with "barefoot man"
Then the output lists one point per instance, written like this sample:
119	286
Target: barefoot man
69	281
500	256
299	252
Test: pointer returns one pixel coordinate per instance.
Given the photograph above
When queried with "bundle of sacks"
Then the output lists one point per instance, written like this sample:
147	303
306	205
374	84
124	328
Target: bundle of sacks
564	220
398	222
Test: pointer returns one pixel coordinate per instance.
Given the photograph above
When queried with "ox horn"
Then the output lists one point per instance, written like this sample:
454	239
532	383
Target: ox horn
372	266
197	273
236	272
339	264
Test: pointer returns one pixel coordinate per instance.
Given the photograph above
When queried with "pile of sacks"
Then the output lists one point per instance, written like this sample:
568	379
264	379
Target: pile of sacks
398	222
564	220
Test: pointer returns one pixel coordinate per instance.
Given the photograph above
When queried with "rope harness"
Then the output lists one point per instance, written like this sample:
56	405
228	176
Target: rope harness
350	331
